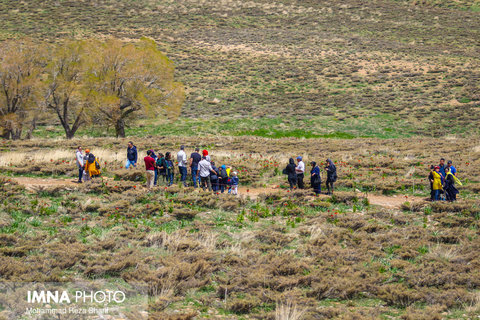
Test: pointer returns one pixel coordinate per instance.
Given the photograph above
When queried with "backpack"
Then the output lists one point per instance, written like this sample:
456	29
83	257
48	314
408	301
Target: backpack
97	164
91	158
223	174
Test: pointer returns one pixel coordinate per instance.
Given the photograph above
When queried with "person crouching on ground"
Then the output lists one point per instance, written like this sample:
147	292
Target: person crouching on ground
233	183
315	179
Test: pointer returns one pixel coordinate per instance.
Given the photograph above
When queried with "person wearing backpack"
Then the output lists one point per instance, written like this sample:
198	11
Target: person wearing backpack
160	168
92	166
315	179
331	175
214	178
169	168
195	158
222	178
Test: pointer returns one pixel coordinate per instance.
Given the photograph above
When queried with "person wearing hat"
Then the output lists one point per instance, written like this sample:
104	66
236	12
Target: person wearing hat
300	170
450	190
182	165
91	163
150	168
315	179
437	183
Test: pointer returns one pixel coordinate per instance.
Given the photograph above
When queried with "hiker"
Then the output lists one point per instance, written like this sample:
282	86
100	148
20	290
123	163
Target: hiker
86	177
436	183
450	166
155	158
430	179
149	168
195	158
450	190
222	178
169	168
80	163
300	170
315	179
234	183
131	155
204	171
92	166
442	167
160	169
182	165
214	178
291	173
331	175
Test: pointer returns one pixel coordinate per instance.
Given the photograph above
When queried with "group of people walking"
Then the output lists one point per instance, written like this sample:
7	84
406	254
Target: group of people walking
296	174
203	171
442	181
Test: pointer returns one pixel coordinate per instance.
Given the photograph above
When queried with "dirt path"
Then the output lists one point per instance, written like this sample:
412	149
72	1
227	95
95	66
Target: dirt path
31	183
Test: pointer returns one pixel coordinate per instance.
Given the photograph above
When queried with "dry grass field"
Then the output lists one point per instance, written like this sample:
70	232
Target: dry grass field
376	249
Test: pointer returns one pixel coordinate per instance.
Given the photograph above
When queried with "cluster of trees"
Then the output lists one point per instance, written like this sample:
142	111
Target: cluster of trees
80	82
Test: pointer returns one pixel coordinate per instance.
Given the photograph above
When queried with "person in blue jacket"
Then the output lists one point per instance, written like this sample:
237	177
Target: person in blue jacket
131	155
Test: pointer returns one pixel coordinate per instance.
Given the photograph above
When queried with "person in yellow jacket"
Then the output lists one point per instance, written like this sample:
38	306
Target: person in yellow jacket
90	165
437	183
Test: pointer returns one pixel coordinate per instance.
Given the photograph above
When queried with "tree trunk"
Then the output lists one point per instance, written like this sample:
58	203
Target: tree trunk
120	128
6	133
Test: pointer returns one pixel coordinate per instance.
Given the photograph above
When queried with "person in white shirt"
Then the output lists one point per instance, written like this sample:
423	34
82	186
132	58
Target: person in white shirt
204	170
182	164
300	170
80	163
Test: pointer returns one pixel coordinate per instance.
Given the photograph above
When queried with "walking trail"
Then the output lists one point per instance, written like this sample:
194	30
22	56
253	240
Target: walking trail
391	202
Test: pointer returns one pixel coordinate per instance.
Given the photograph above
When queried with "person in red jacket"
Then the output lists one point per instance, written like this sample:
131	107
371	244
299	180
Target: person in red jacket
150	169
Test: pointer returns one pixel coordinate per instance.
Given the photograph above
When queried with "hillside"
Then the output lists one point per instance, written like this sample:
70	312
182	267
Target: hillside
332	68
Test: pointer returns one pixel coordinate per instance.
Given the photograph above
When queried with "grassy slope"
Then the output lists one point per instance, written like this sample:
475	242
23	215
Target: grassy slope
381	69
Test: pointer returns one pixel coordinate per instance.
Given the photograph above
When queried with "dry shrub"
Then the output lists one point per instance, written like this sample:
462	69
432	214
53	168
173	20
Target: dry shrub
429	313
184	214
242	305
111	265
345	197
274	238
129	175
288	311
399	295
